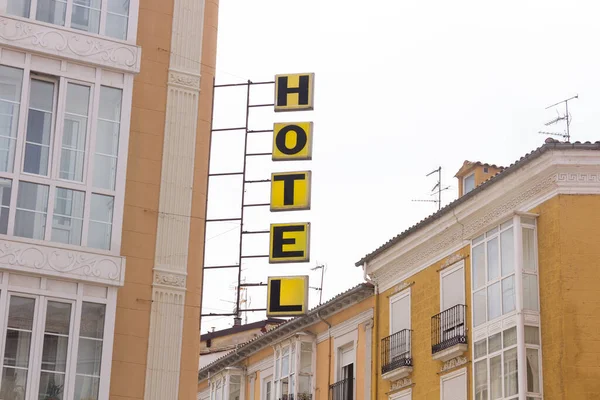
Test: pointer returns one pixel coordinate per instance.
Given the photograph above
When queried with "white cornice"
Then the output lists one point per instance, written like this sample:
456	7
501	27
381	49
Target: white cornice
56	41
346	326
555	172
62	263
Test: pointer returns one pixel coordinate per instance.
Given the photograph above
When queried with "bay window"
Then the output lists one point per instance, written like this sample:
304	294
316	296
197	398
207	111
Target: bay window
60	160
294	370
105	17
226	385
505	280
49	334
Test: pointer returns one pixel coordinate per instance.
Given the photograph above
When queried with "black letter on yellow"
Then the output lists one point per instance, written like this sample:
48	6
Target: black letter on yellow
275	305
279	241
288	186
283	90
301	139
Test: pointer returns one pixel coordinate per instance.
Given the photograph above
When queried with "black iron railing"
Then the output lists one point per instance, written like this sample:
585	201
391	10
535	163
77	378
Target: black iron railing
448	328
342	390
395	351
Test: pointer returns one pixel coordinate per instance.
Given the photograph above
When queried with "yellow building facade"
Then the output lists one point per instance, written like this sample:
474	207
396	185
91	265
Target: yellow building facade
324	354
495	296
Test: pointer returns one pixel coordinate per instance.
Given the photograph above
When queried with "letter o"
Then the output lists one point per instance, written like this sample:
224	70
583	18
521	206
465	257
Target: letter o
301	139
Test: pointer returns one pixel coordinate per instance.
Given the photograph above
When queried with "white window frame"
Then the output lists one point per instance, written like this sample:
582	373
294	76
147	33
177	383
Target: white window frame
268	378
448	271
341	343
403	395
464	183
52	179
295	343
131	24
42	295
452	375
397	297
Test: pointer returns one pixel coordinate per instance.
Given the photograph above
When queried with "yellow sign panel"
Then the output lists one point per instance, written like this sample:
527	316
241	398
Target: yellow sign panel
289	243
287	296
294	92
290	191
292	141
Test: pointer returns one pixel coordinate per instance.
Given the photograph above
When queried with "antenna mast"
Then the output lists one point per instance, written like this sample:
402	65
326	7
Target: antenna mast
566	117
437	186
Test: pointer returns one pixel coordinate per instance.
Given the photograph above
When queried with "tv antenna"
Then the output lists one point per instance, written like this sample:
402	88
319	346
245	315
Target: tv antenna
437	186
565	117
320	289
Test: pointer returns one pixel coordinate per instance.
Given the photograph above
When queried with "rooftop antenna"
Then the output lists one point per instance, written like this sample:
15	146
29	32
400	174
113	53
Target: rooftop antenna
437	186
565	117
320	289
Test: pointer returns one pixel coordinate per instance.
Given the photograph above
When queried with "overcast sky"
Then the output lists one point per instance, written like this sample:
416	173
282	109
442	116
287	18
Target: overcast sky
401	88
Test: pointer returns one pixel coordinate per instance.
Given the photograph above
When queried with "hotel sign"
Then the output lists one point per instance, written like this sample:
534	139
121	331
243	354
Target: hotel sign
287	296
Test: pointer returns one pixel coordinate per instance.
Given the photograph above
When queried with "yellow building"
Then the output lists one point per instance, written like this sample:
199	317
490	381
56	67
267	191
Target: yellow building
104	140
496	295
325	353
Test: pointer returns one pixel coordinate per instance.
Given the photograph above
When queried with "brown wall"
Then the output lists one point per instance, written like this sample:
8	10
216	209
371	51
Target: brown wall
569	254
142	188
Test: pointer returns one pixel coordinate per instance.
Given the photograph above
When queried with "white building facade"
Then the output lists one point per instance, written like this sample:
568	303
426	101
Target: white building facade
66	83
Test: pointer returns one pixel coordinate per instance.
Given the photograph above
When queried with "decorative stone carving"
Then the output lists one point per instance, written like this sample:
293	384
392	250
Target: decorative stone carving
453	363
184	80
452	259
401	383
402	286
80	265
58	41
167	279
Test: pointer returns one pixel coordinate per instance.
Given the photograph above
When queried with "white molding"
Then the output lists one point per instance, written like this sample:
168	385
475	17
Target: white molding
454	363
48	260
555	172
175	202
400	384
261	365
346	326
61	42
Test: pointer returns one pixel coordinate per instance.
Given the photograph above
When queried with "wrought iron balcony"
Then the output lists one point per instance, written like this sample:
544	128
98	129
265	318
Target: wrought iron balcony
448	333
342	390
395	354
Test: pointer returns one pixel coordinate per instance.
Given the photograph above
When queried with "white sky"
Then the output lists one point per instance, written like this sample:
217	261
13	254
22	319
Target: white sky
401	87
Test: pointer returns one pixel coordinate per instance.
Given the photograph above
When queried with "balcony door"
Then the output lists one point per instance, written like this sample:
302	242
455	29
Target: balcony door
452	294
399	326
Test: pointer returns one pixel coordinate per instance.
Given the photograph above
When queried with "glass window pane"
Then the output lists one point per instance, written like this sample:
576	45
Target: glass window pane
92	320
118	7
235	385
99	235
478	266
51	386
508	294
528	220
74	133
511	381
54	354
116	26
86	388
532	335
20	8
480	348
507	252
32	204
510	337
493	259
494	302
496	377
16	353
20	314
479	307
469	183
67	222
530	292
89	357
39	127
78	99
58	317
107	137
101	208
481	382
529	250
495	343
85	18
11	82
285	364
110	104
5	193
51	11
533	371
305	358
105	171
14	384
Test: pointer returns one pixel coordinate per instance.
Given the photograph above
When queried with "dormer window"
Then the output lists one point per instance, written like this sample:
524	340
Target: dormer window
468	183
